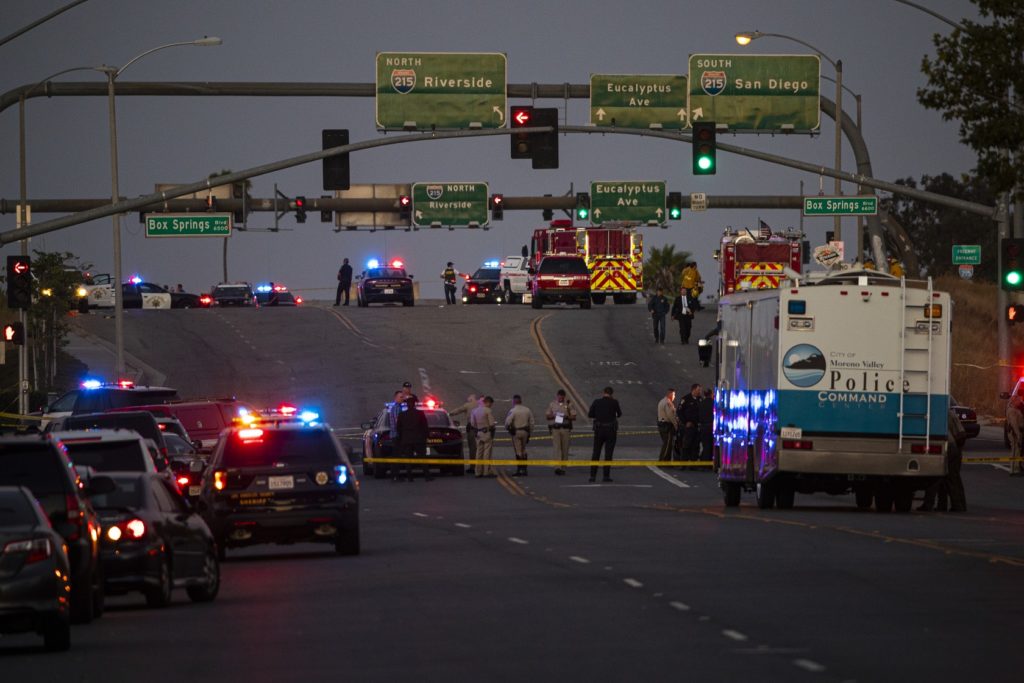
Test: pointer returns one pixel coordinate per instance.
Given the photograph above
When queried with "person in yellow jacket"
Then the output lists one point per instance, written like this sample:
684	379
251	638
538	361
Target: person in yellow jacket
869	264
895	267
692	283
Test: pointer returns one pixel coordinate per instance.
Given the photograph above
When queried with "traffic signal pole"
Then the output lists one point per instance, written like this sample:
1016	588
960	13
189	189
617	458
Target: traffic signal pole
1006	369
22	316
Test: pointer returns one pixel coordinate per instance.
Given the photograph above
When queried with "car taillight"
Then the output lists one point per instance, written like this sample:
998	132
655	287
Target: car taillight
37	550
183	480
129	530
220	479
931	449
75	516
795	445
472	288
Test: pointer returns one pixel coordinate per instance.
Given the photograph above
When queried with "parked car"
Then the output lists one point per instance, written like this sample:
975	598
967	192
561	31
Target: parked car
35	573
384	284
276	295
563	279
141	421
93	396
110	450
484	286
232	294
515	278
444	441
1016	399
204	419
968	417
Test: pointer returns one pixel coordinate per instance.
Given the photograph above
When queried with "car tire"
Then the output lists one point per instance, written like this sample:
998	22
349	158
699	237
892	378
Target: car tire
764	494
537	303
585	304
863	497
99	596
57	634
731	493
599	299
903	500
211	572
160	595
347	541
507	295
883	498
785	495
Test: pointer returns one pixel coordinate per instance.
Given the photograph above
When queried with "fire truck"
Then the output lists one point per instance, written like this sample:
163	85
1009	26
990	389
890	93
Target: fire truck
754	260
614	253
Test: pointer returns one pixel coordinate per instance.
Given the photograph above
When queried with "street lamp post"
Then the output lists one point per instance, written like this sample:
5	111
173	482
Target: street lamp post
746	37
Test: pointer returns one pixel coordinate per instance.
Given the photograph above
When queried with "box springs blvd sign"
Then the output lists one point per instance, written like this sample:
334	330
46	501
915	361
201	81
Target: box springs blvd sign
445	90
756	92
188	225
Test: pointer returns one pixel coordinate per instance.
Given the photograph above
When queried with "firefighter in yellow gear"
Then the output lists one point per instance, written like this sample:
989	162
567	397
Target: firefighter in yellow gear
895	267
692	284
869	264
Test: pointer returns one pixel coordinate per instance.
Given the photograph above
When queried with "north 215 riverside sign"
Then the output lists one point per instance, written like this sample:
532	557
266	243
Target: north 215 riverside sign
449	203
442	90
756	92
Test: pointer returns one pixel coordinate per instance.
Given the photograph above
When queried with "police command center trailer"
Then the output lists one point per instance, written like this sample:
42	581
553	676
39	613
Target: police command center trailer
839	384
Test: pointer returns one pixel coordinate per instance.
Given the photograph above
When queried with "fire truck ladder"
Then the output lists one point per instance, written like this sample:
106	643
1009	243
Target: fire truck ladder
915	347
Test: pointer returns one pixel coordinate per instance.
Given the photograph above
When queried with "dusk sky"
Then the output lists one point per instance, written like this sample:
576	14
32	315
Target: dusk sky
181	140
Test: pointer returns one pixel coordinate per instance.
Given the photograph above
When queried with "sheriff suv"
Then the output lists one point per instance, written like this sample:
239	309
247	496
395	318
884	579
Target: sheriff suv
561	279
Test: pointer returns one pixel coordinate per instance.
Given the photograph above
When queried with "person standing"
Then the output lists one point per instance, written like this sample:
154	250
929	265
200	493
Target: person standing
467	408
519	423
659	308
682	312
483	423
412	432
344	282
668	423
450	276
605	412
692	285
706	426
689	418
560	414
1015	434
407	392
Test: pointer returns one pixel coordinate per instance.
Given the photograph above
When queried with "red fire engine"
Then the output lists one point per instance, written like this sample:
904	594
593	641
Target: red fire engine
614	253
754	260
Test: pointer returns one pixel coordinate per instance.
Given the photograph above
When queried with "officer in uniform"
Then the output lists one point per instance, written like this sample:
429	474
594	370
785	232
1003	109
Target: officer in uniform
560	414
449	275
668	423
689	418
519	423
467	408
605	412
344	283
706	425
659	308
412	432
483	423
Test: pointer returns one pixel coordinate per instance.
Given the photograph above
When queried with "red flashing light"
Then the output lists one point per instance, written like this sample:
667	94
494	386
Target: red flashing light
431	403
300	202
522	117
161	426
126	384
287	409
249	434
205	299
298	300
404	201
397	263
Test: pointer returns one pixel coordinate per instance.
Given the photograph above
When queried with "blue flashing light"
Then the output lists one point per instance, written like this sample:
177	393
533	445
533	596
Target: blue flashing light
308	416
263	288
373	263
91	384
135	279
492	264
341	474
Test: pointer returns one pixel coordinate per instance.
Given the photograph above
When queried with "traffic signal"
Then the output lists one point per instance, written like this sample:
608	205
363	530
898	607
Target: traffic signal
497	207
19	282
1015	313
405	208
582	206
14	333
704	149
674	204
326	215
1012	277
521	117
336	169
545	145
300	209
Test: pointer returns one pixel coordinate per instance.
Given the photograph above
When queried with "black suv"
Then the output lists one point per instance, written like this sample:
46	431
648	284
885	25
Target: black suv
233	294
95	398
281	482
40	464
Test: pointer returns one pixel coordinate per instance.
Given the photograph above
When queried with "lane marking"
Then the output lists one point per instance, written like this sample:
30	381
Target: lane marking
420	514
577	558
463	526
668	477
632	583
520	541
681	606
734	635
425	381
808	665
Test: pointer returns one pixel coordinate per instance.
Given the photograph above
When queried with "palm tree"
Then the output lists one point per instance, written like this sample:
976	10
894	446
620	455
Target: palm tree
664	268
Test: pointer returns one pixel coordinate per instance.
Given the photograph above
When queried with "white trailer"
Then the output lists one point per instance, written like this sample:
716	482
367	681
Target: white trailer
839	384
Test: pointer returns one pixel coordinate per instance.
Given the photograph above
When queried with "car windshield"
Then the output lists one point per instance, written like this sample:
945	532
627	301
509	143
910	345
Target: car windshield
566	266
107	456
385	272
177	445
231	290
265	447
15	509
487	274
130	493
438	418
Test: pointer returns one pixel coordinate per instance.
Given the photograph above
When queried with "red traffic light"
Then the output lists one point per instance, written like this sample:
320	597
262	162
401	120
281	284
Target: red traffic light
404	200
21	267
1015	313
521	115
14	333
300	202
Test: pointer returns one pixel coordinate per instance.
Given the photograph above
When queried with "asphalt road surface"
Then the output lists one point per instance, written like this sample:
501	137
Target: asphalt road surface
550	578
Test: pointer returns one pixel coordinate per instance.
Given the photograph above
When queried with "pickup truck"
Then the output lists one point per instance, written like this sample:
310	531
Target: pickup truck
515	278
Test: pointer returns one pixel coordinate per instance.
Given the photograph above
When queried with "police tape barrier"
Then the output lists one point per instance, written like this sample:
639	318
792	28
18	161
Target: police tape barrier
16	416
533	437
981	459
538	463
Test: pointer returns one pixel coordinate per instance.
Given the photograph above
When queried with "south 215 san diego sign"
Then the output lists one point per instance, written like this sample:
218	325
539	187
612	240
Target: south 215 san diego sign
756	92
444	90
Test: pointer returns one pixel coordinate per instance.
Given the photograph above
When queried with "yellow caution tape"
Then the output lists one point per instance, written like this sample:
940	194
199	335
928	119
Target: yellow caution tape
16	416
539	463
993	459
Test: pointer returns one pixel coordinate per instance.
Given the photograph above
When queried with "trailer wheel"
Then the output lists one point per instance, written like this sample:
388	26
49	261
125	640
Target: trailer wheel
863	497
731	494
883	498
765	495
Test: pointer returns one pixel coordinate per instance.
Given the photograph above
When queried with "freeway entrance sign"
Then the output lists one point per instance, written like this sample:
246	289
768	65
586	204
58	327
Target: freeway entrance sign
449	203
841	206
442	90
188	225
642	201
756	92
967	254
638	101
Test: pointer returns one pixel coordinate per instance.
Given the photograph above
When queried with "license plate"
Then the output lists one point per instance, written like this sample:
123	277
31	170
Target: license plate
563	283
195	490
430	451
481	296
278	483
389	291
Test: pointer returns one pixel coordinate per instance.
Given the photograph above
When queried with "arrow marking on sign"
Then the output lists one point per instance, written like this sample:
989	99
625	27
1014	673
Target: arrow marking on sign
597	212
681	114
658	213
499	112
698	113
419	214
600	114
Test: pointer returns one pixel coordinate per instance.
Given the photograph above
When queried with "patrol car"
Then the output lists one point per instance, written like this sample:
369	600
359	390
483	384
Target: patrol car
444	441
484	286
381	284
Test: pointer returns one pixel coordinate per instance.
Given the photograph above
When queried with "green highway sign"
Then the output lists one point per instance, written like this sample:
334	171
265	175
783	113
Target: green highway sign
188	225
638	101
841	206
967	254
756	92
449	203
443	90
642	201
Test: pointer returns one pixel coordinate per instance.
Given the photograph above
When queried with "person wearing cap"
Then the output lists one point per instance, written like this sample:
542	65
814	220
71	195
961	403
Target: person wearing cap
411	434
407	392
483	423
560	415
895	267
450	276
519	423
467	408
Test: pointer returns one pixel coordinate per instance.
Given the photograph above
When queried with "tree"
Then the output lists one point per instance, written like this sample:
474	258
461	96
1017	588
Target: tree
664	268
56	282
934	229
975	73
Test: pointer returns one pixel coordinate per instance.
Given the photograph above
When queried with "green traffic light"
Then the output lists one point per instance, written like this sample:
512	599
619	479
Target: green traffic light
1014	278
582	213
675	213
704	163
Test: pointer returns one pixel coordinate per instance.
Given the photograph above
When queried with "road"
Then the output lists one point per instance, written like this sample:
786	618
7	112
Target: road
545	577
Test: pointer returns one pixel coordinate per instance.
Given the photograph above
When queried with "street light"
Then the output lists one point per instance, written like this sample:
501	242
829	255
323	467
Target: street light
112	74
746	37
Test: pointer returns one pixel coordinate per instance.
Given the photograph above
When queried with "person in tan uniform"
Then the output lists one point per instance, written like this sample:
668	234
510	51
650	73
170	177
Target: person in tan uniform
483	423
467	409
560	415
668	424
519	423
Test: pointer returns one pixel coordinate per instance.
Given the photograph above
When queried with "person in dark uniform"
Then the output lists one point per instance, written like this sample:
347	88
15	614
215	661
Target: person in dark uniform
683	312
659	308
344	282
450	276
689	419
412	432
949	491
706	425
605	412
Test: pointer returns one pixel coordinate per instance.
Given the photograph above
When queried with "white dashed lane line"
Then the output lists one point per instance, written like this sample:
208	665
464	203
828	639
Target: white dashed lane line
632	583
681	606
808	665
463	526
577	558
734	635
520	541
420	514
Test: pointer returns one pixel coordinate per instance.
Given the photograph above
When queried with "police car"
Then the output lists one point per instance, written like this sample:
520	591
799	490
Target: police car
275	294
515	278
484	286
136	294
381	284
444	441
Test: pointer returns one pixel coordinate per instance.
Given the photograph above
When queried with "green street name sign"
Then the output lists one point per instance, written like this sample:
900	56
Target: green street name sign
442	90
840	206
642	201
638	101
967	254
756	92
188	225
449	203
